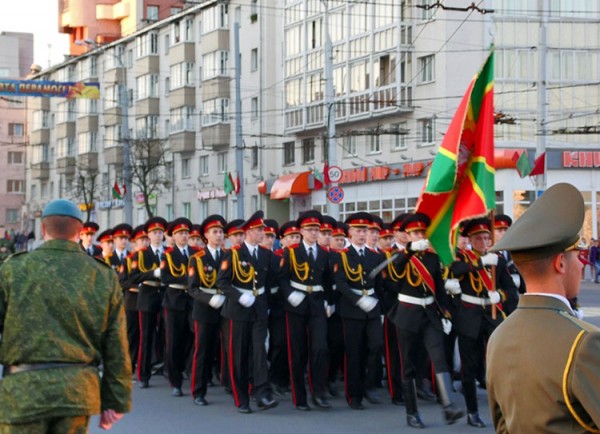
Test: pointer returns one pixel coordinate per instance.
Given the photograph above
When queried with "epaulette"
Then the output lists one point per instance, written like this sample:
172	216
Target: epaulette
132	254
143	249
102	261
194	248
293	246
12	255
374	250
326	248
279	252
199	252
389	250
344	250
168	250
236	247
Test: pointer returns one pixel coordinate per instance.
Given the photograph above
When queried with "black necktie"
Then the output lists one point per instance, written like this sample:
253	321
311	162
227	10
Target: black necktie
122	257
255	254
157	254
218	256
361	253
185	255
311	255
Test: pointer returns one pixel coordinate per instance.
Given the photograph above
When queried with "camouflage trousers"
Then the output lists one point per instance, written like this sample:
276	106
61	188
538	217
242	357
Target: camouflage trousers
53	425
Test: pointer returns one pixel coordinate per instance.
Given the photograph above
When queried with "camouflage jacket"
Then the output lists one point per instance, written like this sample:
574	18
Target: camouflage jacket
57	304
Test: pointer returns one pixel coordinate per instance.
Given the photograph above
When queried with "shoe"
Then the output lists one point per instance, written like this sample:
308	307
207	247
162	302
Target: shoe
321	402
176	391
425	395
414	421
333	391
473	419
452	413
303	407
278	390
228	390
199	400
210	383
372	396
244	409
144	384
398	401
356	405
266	403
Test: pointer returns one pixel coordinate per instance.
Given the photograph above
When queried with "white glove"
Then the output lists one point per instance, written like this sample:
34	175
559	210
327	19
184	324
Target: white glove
446	326
516	279
156	273
295	298
494	297
247	299
329	309
489	259
420	245
367	303
578	313
216	301
452	286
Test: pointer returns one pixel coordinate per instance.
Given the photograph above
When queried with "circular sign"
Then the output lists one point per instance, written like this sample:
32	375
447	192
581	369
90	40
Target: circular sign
334	173
335	194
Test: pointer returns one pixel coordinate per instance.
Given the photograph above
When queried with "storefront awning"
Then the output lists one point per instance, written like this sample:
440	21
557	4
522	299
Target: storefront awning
294	183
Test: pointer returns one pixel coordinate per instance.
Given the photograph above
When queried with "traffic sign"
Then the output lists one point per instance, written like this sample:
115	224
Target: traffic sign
334	173
335	194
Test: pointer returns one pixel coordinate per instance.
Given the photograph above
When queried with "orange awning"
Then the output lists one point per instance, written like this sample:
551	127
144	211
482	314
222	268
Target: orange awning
294	183
505	158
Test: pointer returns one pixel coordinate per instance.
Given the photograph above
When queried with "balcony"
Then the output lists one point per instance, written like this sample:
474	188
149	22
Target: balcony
88	161
113	155
65	129
65	166
147	107
39	137
216	40
184	141
216	136
182	96
40	171
87	124
183	52
147	65
216	88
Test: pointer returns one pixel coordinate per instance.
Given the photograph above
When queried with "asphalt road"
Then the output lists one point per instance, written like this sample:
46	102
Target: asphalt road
155	411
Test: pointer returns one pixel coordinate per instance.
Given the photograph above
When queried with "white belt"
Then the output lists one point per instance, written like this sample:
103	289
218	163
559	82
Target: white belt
254	292
306	288
275	290
154	283
178	286
476	300
212	291
369	291
416	300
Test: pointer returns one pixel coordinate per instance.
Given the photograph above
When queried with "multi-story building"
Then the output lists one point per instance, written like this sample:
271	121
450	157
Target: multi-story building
105	21
16	56
399	70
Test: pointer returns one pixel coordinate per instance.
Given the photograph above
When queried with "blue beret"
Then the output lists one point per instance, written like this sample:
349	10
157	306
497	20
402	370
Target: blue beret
62	207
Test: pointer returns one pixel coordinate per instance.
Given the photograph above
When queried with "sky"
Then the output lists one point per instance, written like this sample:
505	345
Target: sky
39	17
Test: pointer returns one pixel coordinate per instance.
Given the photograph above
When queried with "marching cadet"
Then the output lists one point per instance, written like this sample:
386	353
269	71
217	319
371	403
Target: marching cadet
475	320
145	272
325	232
501	224
105	239
246	273
279	375
208	299
360	311
196	240
234	232
86	239
177	303
305	283
400	237
420	316
386	238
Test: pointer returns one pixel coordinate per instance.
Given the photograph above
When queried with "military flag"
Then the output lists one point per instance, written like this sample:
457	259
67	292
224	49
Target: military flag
460	183
228	186
116	191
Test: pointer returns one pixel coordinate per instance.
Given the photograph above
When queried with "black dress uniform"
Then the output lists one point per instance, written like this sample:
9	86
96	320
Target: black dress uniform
474	321
418	315
245	277
305	284
145	272
177	305
92	249
360	311
206	312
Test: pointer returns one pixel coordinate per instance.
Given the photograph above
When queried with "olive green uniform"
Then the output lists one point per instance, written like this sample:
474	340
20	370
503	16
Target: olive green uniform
59	305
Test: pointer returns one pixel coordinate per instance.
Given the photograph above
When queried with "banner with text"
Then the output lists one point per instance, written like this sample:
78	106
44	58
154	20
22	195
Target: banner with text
50	88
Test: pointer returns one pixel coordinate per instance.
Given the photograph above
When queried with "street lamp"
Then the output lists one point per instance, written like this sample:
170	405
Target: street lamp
124	103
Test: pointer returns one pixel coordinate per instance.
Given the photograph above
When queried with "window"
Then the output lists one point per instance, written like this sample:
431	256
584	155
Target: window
384	70
289	153
152	13
169	211
374	144
147	44
182	119
204	165
111	97
254	108
315	33
359	76
426	69
349	143
426	127
147	86
426	14
222	162
187	210
114	57
254	59
185	168
215	111
147	127
65	147
112	135
86	142
182	74
214	64
15	158
14	186
167	43
308	151
203	210
39	154
12	215
15	130
39	120
175	11
188	30
254	158
399	141
214	18
167	85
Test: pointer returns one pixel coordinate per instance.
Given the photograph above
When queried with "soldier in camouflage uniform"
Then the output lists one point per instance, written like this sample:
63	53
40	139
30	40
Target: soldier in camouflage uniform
7	248
57	326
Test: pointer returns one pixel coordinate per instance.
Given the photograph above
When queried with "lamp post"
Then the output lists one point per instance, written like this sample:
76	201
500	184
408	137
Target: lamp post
124	104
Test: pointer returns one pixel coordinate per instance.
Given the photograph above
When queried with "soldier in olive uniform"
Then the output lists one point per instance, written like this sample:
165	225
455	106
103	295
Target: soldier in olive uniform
543	362
57	327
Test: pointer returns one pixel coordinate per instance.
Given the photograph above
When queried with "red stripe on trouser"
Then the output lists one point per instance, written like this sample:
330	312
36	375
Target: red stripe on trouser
167	339
348	397
290	363
140	358
388	358
309	369
236	398
195	359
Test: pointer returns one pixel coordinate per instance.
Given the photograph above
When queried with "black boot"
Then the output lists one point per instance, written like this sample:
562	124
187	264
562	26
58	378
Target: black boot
473	419
470	392
451	411
413	419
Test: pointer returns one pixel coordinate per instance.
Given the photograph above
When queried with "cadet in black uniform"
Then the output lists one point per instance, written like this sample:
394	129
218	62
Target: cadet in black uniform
305	283
208	299
86	239
247	272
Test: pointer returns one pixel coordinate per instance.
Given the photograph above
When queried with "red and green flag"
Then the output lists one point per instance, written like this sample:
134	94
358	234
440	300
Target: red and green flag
228	186
116	191
460	183
522	165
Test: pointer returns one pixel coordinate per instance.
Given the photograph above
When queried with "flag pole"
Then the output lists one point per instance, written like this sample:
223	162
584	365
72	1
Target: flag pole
492	224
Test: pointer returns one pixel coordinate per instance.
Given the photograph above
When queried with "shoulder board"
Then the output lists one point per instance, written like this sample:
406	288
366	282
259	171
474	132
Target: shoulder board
326	248
279	252
168	250
389	250
293	246
194	249
199	252
102	261
238	247
344	250
15	254
132	254
372	249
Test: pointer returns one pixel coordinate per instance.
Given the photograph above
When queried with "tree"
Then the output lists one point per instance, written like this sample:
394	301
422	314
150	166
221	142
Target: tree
148	168
86	186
